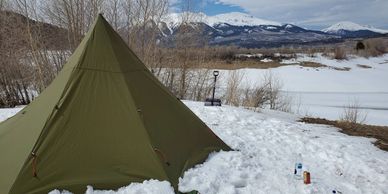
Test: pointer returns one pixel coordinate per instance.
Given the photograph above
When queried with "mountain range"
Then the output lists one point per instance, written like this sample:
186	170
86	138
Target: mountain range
244	30
235	28
352	30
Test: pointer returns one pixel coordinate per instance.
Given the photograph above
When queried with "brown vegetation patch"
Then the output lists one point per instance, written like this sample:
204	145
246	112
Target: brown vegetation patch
385	62
341	68
311	64
378	132
240	64
340	53
364	66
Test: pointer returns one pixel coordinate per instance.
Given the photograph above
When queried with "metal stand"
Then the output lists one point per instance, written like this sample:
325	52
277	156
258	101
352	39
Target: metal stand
213	101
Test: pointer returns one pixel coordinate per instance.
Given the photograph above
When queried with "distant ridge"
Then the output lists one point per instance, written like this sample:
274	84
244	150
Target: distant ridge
232	18
351	26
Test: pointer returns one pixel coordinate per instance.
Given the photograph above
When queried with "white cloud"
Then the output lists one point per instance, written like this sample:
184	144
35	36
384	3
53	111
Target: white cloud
317	12
195	5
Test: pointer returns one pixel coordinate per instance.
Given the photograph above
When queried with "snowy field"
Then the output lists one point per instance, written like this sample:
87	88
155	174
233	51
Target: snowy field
267	145
323	91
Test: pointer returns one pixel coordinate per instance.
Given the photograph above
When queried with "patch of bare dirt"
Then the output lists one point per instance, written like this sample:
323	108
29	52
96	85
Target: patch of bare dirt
341	68
378	132
311	64
364	66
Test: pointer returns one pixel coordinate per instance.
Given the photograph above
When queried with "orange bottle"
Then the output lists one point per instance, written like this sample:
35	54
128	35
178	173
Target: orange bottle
306	177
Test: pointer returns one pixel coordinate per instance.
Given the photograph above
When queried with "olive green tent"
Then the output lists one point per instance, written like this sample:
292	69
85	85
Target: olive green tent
105	121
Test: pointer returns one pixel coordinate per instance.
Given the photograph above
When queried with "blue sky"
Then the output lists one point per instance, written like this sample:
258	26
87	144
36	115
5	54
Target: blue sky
313	14
210	7
213	8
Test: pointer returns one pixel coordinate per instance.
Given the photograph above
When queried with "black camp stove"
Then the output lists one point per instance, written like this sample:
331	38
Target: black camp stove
212	102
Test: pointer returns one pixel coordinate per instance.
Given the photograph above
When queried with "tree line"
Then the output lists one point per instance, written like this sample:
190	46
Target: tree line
32	53
38	36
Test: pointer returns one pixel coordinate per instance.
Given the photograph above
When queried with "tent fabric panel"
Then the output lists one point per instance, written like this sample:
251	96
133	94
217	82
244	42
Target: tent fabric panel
19	133
96	137
182	137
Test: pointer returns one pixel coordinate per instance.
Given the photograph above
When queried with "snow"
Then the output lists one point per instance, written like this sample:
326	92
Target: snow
239	19
8	112
232	18
323	91
266	146
250	55
290	61
266	60
289	26
271	28
175	19
147	187
350	26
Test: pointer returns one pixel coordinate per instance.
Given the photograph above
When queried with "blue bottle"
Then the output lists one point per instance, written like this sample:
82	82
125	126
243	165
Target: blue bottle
298	172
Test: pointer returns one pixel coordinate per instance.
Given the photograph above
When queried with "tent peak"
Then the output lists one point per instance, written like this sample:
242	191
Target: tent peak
100	15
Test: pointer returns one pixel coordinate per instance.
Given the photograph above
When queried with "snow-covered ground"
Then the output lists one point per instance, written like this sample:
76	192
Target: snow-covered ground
267	145
147	187
324	91
8	112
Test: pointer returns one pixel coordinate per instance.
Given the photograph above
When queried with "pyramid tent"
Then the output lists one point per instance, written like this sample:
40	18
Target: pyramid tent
105	121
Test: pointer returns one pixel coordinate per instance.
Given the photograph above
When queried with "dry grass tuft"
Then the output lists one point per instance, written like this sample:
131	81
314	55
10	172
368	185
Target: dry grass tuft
340	53
341	68
311	64
364	66
375	47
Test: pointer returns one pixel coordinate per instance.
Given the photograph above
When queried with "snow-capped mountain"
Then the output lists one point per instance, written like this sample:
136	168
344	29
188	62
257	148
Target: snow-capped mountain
238	19
244	30
241	29
350	29
232	18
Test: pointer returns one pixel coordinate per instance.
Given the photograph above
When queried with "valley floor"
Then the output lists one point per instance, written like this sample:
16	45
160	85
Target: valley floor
267	145
324	91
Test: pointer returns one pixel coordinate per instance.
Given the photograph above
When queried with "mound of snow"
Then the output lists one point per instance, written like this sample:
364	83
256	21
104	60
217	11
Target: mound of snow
267	145
147	187
350	26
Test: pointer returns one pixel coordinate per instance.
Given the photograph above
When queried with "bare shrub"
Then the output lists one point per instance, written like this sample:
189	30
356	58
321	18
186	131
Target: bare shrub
340	53
200	85
254	97
273	85
267	94
352	113
284	103
232	94
375	47
360	46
